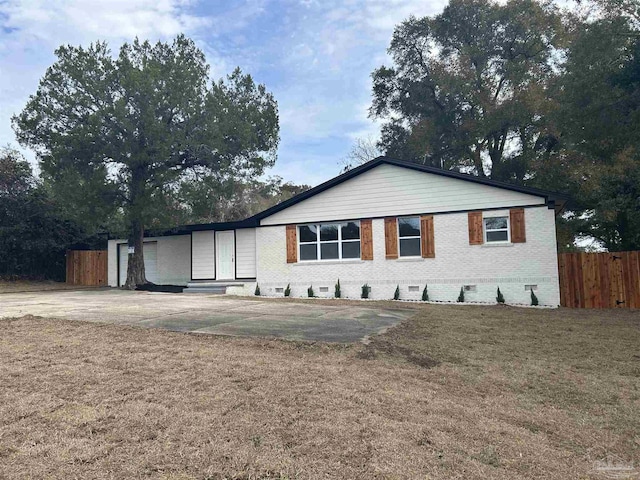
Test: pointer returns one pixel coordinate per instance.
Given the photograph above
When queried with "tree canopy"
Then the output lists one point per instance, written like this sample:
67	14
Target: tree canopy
34	233
468	87
127	130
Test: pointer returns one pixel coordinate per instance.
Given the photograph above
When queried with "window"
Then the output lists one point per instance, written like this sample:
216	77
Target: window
496	229
409	236
329	241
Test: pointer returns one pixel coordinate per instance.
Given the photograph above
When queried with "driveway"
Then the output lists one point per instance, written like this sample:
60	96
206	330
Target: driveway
208	313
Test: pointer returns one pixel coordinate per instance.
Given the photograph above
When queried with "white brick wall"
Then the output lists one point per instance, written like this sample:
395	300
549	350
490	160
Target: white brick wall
457	263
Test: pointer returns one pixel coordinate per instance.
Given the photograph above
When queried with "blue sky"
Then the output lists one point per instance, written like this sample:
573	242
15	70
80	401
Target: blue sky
315	56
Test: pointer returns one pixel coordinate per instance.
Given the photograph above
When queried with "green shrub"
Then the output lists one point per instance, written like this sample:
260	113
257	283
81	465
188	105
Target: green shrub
396	295
365	291
337	293
257	292
287	291
425	294
310	291
461	296
500	297
534	299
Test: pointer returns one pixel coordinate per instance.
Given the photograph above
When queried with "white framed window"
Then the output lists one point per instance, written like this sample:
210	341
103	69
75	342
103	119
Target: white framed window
409	237
329	241
496	229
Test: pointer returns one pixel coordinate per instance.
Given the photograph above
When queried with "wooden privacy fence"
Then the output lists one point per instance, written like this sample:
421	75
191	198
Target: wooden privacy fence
600	280
87	267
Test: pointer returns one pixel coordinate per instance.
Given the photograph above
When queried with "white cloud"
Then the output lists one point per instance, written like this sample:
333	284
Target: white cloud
78	21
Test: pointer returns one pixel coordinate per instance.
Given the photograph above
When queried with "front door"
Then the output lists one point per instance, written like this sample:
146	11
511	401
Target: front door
225	255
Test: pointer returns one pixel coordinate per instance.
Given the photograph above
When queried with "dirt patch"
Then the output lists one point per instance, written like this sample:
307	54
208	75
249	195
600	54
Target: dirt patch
517	393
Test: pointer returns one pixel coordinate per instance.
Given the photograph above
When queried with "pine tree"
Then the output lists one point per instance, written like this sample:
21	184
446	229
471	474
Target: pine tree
287	291
396	295
257	292
461	296
425	294
500	297
337	293
365	291
310	291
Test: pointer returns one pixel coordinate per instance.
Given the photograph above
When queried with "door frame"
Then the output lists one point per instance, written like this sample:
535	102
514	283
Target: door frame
232	237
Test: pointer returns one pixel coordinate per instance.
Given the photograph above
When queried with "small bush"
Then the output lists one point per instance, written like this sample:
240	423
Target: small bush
396	295
534	299
287	291
310	291
257	292
337	293
425	294
365	291
500	297
461	296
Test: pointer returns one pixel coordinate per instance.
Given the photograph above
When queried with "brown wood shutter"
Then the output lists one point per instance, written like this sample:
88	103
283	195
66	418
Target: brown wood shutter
292	244
475	228
518	231
427	237
366	239
391	237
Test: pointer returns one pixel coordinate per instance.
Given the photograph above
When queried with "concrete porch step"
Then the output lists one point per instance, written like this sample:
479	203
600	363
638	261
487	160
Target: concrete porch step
211	287
214	283
209	290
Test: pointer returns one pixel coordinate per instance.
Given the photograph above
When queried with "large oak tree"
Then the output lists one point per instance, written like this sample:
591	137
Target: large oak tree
468	87
131	128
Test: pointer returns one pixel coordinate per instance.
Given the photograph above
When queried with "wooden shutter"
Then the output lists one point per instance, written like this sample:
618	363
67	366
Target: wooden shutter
475	228
391	237
292	244
516	220
427	237
366	240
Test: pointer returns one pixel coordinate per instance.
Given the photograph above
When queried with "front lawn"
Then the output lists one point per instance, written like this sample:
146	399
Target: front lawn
456	392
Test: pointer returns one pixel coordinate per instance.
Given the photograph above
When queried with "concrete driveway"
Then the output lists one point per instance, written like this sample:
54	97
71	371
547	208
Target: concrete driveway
207	313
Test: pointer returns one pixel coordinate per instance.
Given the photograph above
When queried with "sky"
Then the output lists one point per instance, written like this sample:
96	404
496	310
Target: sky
316	57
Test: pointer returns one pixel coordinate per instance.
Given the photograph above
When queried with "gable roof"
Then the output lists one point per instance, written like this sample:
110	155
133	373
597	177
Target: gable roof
551	198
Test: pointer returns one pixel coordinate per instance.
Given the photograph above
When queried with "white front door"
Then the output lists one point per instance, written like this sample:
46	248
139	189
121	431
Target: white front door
225	255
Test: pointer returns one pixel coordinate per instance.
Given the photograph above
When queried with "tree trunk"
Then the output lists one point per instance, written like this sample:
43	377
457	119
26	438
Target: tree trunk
135	265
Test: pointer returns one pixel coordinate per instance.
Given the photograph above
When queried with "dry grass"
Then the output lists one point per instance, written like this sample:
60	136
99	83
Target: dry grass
457	392
16	286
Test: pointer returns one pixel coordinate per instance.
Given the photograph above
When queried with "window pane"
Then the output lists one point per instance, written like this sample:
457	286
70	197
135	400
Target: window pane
328	232
410	247
409	226
329	251
308	233
351	231
309	251
499	236
351	250
494	223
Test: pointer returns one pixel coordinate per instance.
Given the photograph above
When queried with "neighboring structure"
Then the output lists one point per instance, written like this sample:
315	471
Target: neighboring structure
385	223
